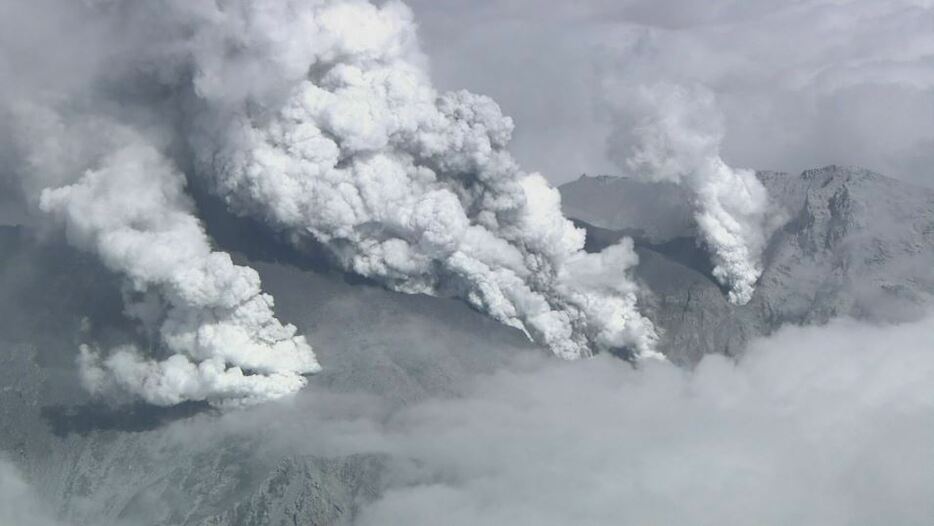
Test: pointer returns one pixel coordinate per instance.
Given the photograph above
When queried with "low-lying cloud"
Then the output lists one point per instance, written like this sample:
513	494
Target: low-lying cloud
824	425
813	425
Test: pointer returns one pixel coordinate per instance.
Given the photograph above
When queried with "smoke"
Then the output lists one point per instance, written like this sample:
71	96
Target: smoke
673	133
117	196
408	186
814	425
318	118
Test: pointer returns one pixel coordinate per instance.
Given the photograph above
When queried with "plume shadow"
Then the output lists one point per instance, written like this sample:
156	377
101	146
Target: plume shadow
83	419
684	251
258	242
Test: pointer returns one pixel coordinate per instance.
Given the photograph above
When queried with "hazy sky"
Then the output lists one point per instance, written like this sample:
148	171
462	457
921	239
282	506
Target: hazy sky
801	83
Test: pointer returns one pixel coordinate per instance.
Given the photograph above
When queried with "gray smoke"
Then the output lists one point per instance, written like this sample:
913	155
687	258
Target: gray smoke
117	196
349	143
827	425
318	118
668	132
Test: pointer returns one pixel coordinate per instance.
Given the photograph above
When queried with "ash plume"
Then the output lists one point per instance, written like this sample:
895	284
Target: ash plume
349	143
318	118
670	132
117	196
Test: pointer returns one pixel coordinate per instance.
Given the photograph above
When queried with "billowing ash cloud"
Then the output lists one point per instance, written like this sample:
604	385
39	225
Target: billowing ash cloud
119	197
319	118
348	142
814	425
669	132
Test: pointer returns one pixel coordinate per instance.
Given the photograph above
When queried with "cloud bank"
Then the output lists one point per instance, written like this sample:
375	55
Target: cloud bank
117	196
817	425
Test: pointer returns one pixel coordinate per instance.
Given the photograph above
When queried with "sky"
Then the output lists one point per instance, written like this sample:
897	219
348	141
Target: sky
800	84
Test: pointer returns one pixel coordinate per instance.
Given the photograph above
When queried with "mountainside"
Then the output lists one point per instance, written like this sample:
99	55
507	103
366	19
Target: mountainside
100	464
855	244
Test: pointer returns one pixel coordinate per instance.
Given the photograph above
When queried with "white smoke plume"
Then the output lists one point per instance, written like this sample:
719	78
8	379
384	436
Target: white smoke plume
319	118
348	142
121	199
673	133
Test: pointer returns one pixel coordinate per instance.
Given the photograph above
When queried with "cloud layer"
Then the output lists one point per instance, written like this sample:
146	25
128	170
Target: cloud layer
826	425
815	425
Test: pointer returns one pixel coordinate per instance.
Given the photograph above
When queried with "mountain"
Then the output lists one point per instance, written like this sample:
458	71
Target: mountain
856	243
101	464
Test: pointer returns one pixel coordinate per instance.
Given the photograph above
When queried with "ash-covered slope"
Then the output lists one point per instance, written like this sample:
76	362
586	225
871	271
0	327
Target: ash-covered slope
135	464
856	244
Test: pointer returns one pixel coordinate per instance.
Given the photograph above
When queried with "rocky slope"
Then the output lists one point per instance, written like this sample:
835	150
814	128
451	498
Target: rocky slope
134	464
856	244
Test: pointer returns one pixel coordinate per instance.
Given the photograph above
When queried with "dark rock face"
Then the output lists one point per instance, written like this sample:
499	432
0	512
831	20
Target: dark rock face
856	244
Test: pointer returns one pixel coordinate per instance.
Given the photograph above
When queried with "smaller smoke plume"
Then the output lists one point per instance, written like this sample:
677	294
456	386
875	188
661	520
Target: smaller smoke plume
673	133
118	197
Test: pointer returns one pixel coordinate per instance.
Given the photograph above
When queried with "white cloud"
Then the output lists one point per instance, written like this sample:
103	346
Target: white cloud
813	425
826	425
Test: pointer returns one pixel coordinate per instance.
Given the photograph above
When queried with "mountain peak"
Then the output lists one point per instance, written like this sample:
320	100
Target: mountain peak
857	244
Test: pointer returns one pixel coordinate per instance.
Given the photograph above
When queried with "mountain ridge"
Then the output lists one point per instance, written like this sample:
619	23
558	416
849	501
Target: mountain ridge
856	244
